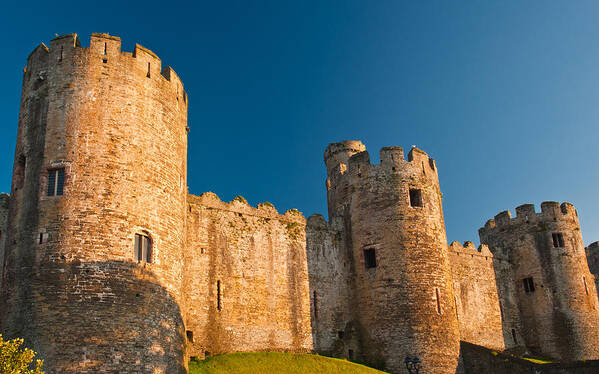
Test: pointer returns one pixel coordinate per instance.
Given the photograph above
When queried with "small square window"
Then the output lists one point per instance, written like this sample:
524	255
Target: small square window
55	182
370	258
189	335
529	285
558	240
415	197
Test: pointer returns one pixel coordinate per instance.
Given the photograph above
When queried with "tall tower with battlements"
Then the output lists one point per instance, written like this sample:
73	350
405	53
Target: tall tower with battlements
92	273
396	234
549	281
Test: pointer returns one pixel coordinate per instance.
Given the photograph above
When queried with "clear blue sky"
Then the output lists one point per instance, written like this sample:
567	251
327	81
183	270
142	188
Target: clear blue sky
504	95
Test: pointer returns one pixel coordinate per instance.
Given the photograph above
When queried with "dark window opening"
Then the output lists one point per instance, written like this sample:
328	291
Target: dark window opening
61	54
41	239
415	197
55	182
350	354
370	258
514	336
340	334
218	301
189	335
143	248
558	240
315	306
529	285
20	172
105	49
438	300
148	75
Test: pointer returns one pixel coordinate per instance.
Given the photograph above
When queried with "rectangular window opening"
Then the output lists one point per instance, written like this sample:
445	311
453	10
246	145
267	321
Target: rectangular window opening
415	197
148	75
529	285
340	334
370	258
143	248
41	239
189	335
514	337
55	182
438	300
558	240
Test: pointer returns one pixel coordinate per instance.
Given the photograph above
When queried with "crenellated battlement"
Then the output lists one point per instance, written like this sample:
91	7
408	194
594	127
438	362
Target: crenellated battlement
240	206
104	49
525	214
352	160
469	249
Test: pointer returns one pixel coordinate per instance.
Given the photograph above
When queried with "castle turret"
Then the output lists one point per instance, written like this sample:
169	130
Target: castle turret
396	234
92	277
554	289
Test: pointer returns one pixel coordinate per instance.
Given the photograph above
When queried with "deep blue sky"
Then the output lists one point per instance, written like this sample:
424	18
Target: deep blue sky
504	95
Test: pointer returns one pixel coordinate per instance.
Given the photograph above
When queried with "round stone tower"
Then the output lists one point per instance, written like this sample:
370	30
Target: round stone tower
554	288
92	274
394	220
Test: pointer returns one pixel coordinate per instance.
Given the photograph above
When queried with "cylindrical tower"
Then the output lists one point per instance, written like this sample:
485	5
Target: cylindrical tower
93	269
555	290
393	212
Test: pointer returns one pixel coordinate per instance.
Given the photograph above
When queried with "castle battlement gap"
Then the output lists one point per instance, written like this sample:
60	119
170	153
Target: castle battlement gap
469	249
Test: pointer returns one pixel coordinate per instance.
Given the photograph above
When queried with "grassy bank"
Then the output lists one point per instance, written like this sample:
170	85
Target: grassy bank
274	363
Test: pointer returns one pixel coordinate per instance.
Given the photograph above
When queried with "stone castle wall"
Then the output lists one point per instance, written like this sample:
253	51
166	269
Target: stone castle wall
399	251
246	278
559	314
115	122
592	252
374	284
4	199
476	298
330	267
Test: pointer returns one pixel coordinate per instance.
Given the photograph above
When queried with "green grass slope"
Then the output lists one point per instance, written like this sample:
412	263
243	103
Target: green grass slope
276	363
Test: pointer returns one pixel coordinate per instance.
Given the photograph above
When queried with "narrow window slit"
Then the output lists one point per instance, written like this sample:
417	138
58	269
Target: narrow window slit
105	49
148	75
218	296
315	306
438	300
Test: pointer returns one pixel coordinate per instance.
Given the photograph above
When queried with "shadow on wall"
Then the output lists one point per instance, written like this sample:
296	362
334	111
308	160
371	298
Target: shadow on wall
103	316
479	359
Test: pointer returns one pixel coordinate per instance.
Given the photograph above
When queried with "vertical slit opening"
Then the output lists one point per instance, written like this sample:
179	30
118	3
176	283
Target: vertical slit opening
218	296
148	75
105	49
438	300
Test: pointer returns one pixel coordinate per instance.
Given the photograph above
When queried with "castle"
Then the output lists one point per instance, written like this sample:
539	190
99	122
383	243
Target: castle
109	265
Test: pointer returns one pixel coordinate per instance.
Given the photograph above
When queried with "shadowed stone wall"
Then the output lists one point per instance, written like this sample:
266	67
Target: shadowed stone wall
477	303
559	313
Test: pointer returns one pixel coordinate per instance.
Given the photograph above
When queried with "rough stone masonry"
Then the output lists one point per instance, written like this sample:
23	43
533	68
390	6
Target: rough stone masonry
109	265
